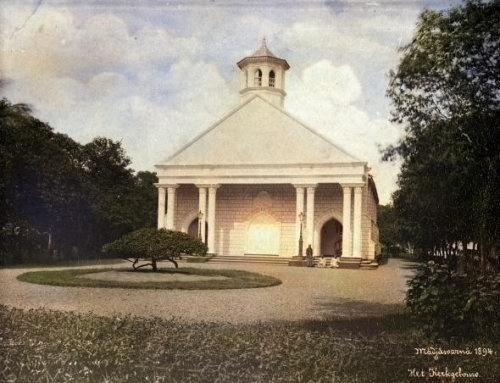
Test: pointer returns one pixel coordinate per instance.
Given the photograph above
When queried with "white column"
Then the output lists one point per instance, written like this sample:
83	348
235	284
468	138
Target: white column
202	206
212	189
299	210
346	223
356	222
170	223
161	207
310	217
265	76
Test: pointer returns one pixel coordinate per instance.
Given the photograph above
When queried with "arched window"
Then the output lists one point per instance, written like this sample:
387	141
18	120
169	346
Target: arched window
272	78
257	80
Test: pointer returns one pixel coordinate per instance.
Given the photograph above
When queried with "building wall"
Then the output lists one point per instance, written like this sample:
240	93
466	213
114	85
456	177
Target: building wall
239	205
371	245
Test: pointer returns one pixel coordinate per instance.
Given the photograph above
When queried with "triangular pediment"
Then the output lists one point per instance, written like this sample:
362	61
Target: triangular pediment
258	133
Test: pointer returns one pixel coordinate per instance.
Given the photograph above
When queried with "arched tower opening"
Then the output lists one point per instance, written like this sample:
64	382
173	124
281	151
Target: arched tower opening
272	79
257	78
268	76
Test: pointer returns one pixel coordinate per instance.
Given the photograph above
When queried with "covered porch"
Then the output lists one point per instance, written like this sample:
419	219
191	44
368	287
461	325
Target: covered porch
249	214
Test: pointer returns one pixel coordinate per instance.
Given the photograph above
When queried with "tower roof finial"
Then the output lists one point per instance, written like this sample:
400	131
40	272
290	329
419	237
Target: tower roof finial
263	53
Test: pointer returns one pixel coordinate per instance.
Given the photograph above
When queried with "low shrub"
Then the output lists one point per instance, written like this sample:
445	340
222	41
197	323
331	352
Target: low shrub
153	245
449	304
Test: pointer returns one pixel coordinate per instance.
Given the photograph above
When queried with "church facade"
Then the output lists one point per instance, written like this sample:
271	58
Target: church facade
258	180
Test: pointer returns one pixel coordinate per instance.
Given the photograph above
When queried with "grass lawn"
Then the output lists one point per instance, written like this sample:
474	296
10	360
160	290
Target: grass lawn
235	279
48	346
197	259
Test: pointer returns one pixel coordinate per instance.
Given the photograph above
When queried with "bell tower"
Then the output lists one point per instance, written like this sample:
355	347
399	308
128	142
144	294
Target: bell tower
263	73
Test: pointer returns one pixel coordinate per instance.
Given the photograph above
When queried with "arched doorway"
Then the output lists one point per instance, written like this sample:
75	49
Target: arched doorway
193	229
263	236
331	238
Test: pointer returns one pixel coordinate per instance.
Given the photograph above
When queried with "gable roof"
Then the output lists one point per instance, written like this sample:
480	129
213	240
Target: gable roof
259	133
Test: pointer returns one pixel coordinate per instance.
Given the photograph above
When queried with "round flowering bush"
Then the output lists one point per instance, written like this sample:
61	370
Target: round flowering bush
152	245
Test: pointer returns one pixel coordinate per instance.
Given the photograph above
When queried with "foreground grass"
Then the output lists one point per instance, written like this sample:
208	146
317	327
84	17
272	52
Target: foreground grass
198	259
236	279
48	346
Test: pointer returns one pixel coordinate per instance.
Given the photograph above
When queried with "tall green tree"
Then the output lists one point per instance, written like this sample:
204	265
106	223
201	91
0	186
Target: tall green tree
146	198
390	231
124	201
42	182
445	94
73	197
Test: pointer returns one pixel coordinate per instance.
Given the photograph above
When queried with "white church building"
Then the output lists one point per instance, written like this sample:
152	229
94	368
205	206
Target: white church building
258	179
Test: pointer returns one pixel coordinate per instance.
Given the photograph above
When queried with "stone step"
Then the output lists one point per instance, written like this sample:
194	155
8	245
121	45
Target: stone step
368	264
251	259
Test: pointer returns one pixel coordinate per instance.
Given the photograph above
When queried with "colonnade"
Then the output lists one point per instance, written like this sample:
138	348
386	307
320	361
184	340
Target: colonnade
166	219
351	218
305	195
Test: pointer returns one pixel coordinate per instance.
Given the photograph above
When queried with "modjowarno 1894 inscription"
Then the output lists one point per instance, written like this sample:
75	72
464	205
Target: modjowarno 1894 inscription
249	191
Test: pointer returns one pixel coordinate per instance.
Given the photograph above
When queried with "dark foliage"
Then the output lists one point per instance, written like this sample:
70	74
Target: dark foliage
154	245
60	198
450	304
392	243
445	94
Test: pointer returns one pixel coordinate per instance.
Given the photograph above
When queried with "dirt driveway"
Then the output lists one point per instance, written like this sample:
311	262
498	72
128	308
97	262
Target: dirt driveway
306	293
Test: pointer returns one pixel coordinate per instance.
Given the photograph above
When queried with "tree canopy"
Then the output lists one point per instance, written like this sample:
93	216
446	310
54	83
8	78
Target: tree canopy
57	194
445	95
154	245
389	229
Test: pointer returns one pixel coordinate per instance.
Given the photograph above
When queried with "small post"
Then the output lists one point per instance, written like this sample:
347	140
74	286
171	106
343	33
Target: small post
301	240
309	256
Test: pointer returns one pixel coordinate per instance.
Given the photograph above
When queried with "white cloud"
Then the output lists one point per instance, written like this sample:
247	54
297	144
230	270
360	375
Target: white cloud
96	78
155	76
343	42
54	43
324	96
337	84
110	105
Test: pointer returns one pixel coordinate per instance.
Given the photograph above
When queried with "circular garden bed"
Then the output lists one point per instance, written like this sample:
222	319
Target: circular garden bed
185	278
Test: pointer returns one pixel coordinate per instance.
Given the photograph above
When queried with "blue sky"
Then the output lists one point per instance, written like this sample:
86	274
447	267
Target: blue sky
157	74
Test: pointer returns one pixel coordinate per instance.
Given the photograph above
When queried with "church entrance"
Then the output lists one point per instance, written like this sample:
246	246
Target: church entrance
193	229
331	238
263	236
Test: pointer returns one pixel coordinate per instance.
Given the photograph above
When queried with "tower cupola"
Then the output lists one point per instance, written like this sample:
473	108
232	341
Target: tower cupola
263	73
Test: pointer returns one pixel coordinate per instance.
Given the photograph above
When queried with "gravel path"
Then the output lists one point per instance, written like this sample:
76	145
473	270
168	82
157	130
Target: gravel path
306	293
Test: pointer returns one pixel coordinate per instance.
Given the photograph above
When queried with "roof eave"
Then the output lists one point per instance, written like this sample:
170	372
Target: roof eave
255	59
